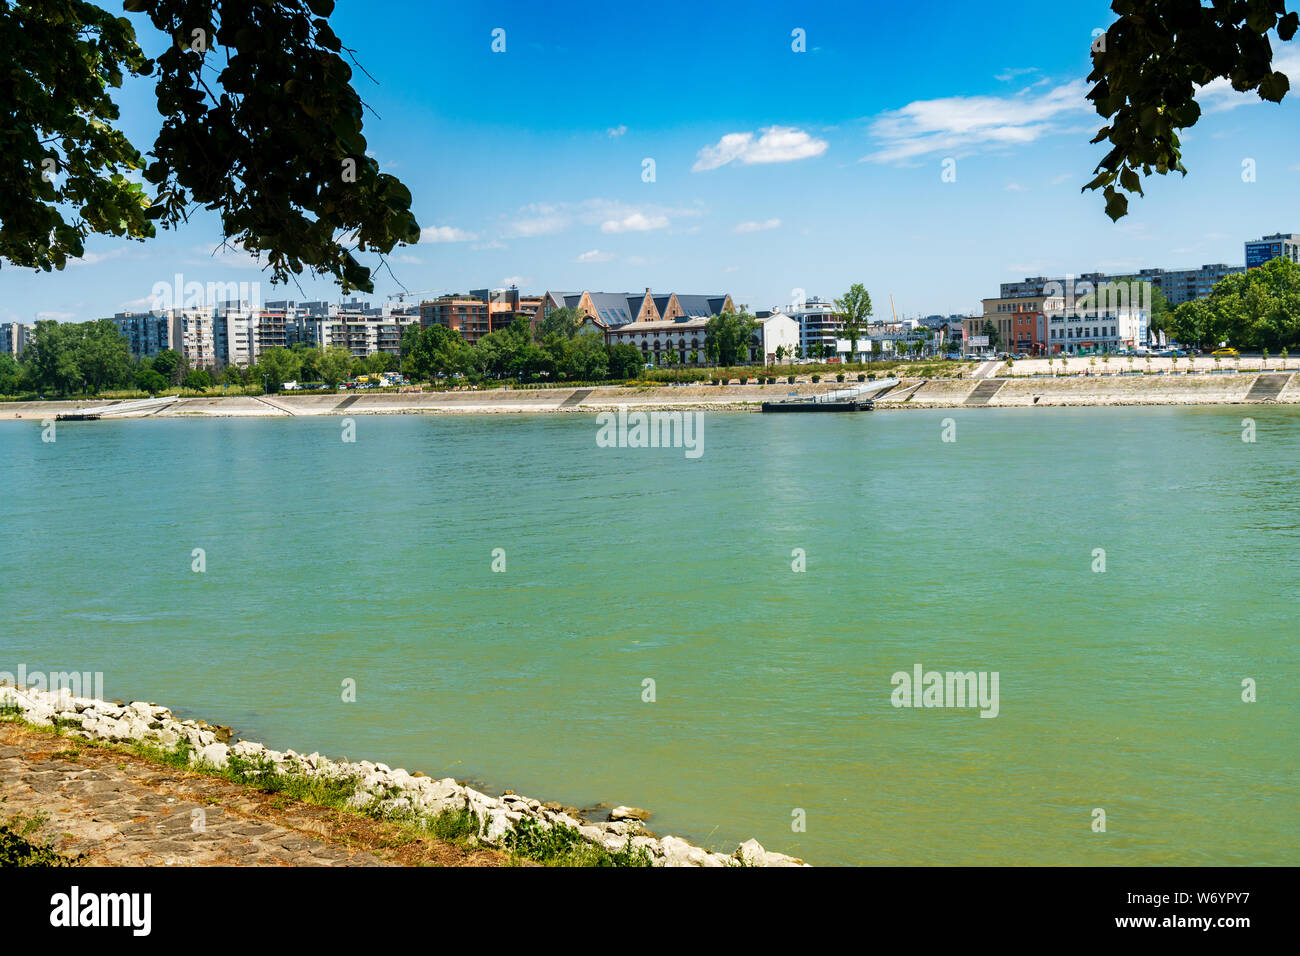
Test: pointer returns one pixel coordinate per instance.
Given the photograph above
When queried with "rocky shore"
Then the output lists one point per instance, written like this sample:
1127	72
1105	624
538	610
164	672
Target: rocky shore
389	792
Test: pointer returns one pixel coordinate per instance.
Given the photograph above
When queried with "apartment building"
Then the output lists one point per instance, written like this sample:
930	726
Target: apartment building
146	333
819	326
14	337
1177	285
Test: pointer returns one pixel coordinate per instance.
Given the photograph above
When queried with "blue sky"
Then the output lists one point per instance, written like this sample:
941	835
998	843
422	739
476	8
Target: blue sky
775	170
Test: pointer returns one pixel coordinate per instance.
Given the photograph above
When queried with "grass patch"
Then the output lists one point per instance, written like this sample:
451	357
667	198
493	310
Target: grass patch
17	848
564	846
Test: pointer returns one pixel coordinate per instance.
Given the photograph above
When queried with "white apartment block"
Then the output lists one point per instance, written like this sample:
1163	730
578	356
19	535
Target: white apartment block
14	337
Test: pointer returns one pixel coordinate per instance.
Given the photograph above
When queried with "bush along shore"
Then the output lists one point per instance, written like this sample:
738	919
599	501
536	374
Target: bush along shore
546	832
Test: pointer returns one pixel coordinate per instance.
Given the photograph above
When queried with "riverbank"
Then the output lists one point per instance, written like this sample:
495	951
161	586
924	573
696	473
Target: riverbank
163	806
1164	387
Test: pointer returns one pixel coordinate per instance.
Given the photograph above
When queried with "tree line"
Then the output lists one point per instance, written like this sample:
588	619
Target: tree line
1257	310
87	358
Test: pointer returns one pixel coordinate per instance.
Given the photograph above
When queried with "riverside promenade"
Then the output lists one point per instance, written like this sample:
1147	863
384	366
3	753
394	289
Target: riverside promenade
104	807
1024	384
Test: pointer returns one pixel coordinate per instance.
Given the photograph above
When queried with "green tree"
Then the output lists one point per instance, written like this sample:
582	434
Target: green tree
727	337
11	375
855	309
586	358
562	322
333	364
260	124
198	379
434	351
625	361
147	380
277	366
991	330
170	364
1146	69
68	358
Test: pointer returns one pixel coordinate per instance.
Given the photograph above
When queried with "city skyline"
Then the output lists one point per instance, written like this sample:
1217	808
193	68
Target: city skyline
774	170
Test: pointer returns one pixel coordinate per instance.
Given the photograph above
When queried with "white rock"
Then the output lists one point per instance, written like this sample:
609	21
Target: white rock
215	754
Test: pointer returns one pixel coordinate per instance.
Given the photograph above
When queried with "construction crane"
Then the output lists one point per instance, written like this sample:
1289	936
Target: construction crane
401	296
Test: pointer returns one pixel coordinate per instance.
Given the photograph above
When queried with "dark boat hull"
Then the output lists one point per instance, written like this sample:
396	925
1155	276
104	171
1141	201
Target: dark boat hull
817	406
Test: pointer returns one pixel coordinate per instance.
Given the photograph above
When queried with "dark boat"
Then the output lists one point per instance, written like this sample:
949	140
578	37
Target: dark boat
857	398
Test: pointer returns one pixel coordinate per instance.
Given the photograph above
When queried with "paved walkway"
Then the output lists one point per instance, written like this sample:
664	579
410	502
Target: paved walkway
111	808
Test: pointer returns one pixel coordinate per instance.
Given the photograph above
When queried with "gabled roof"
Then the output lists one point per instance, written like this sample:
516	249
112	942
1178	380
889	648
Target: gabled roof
613	308
706	305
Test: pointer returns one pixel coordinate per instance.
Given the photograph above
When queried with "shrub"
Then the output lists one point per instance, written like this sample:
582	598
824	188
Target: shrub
816	378
789	379
861	377
839	376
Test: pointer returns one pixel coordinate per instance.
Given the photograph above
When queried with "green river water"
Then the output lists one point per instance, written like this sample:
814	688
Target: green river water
372	561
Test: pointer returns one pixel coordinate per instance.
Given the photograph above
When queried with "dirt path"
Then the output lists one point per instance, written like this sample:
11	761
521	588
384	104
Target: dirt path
112	808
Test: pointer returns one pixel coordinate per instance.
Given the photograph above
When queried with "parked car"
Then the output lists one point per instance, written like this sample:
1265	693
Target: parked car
1231	353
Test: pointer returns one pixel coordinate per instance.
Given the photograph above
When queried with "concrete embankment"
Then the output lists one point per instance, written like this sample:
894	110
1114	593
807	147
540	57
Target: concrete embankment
993	392
378	790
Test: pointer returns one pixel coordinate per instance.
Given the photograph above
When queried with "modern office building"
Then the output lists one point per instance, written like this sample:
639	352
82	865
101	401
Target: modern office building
1285	245
1075	333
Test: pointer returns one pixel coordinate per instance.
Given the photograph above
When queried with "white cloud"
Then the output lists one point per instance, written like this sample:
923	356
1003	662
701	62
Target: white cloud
958	125
56	316
516	280
1063	178
407	260
445	234
635	222
1014	188
777	144
544	219
594	255
1011	73
615	131
758	226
